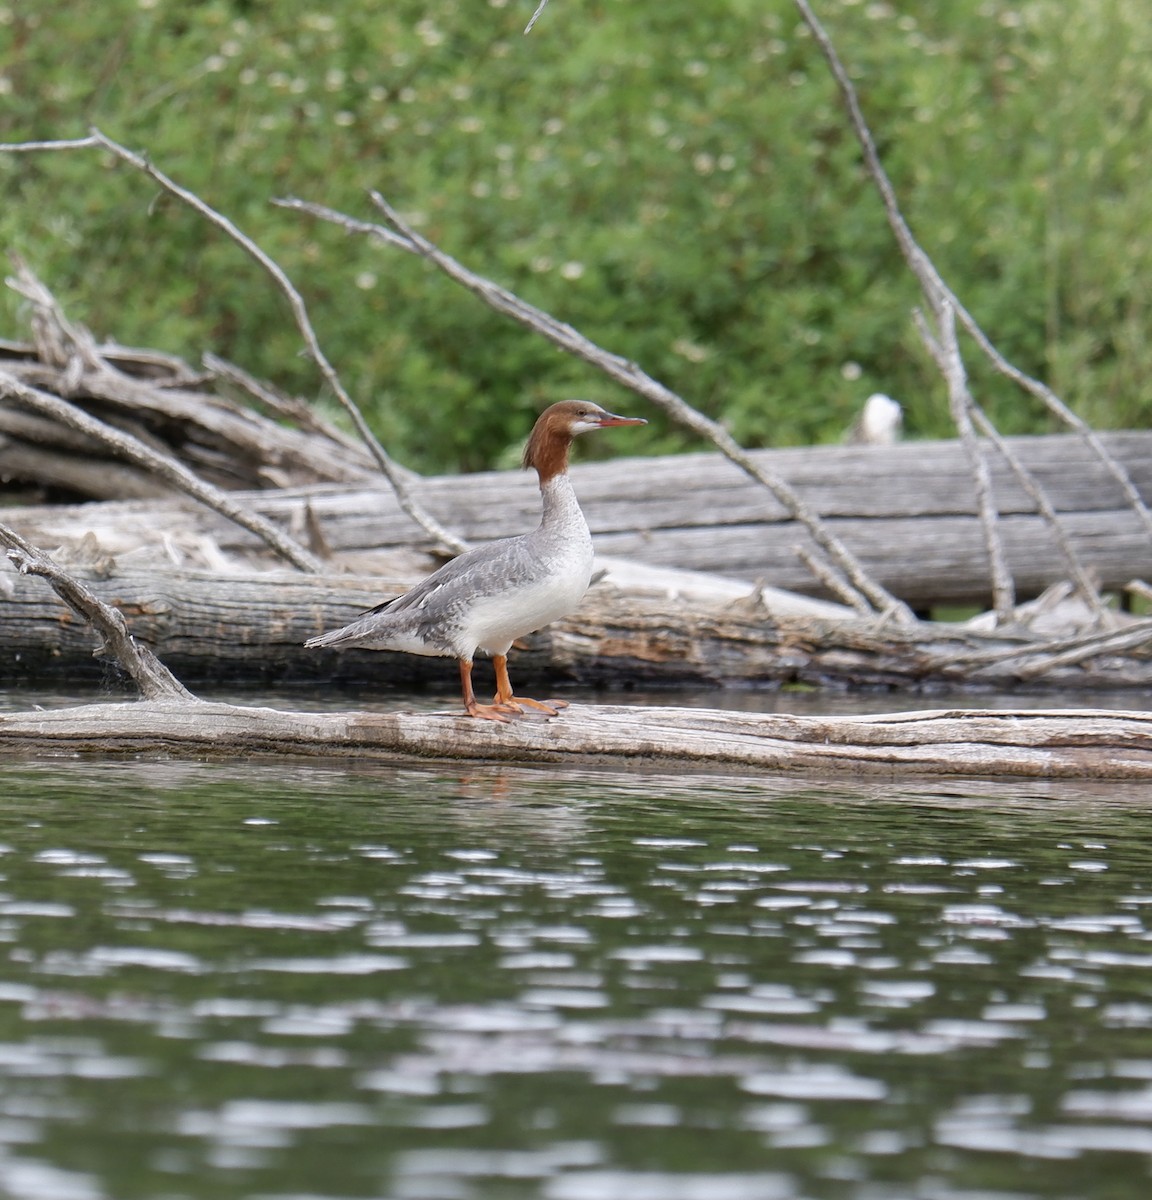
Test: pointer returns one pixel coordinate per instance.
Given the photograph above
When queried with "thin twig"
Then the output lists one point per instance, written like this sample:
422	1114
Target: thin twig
1079	577
1043	658
404	237
1096	641
151	676
298	411
535	15
823	570
943	347
388	467
1118	642
933	282
1057	406
85	143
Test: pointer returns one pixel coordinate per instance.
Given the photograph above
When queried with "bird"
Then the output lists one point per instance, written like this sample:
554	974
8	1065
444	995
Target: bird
493	594
879	424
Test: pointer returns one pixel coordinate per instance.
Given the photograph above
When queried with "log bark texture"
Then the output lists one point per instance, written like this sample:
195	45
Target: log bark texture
907	511
1074	744
164	403
248	630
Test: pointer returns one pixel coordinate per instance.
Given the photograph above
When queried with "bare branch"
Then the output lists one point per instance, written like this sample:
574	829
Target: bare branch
404	237
87	143
535	16
833	581
1056	406
1038	659
298	411
1088	590
933	283
944	349
175	473
391	471
151	676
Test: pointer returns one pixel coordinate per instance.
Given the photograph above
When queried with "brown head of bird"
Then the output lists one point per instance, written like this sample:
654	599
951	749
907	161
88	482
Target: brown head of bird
551	436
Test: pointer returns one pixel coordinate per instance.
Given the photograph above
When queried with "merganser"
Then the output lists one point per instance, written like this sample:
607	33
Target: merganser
491	595
880	422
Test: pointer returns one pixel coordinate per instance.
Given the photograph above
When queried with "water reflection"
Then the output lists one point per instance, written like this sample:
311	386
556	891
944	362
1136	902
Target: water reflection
299	981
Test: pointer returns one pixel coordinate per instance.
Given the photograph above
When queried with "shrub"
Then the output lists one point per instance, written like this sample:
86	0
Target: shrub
676	180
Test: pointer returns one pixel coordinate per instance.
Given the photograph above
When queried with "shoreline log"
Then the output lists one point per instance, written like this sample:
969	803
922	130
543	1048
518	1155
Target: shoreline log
248	630
906	511
1074	744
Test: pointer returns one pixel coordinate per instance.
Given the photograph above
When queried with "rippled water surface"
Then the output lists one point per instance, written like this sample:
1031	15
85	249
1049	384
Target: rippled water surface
263	981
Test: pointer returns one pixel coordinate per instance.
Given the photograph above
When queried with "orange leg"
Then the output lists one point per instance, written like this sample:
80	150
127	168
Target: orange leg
505	700
486	712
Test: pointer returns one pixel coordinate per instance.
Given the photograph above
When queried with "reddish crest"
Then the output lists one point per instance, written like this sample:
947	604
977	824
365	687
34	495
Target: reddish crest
551	437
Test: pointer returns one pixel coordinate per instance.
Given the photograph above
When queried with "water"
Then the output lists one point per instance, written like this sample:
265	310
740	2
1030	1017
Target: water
292	981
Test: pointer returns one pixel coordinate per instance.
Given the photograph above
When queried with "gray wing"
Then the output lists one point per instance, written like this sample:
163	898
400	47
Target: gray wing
479	572
489	569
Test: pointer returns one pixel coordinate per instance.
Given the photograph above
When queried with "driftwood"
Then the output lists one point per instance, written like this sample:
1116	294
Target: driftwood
150	675
938	330
832	561
1074	744
906	510
160	401
852	583
74	338
824	547
249	629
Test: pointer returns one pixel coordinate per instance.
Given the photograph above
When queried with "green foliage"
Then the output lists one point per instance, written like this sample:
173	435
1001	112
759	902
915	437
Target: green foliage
677	180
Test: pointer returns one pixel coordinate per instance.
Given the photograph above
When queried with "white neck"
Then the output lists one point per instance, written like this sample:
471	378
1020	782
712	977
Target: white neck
561	508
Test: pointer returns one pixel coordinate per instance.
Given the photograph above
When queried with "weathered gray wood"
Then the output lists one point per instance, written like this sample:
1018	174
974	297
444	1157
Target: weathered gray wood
100	478
906	511
250	629
152	396
150	675
1082	744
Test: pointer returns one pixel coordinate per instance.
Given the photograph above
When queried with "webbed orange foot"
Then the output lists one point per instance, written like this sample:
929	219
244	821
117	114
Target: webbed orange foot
550	708
491	712
508	702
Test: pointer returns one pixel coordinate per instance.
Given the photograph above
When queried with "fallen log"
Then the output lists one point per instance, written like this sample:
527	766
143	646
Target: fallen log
906	511
249	630
162	400
1083	744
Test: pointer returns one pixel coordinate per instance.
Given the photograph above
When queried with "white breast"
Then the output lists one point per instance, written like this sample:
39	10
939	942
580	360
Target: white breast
495	622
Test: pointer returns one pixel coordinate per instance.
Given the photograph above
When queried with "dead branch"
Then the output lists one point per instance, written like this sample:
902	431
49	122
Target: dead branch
535	16
147	395
825	572
1029	662
300	412
638	626
162	465
905	510
937	290
942	345
73	351
151	676
1081	579
391	471
404	237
